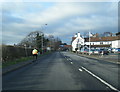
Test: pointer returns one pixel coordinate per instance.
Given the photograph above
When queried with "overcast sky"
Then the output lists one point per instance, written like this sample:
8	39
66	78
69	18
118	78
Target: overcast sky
64	19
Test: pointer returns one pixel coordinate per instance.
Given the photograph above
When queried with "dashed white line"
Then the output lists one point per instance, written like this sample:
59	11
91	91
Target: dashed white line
80	70
110	86
71	62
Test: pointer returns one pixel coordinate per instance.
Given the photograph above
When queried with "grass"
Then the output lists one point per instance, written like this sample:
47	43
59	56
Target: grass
22	59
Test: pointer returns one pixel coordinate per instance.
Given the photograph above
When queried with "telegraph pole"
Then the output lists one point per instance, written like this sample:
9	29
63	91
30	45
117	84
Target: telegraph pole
42	38
89	42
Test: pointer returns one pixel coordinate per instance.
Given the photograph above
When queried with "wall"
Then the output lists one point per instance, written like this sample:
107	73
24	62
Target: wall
116	44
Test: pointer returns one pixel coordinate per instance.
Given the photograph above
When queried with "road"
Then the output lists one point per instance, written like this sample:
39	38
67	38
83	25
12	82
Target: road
63	71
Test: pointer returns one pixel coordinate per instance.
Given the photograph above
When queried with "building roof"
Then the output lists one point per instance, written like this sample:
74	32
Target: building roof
73	38
67	46
96	39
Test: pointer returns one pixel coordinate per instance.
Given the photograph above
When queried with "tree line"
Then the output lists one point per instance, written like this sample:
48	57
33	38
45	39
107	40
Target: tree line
39	40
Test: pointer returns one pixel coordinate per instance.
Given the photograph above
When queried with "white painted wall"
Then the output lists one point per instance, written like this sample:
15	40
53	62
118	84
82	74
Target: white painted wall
116	44
98	43
79	40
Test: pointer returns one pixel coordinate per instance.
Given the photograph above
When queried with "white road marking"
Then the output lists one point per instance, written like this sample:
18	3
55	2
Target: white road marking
80	70
71	62
110	86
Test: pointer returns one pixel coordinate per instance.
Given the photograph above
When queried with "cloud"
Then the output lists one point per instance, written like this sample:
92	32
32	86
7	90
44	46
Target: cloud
63	19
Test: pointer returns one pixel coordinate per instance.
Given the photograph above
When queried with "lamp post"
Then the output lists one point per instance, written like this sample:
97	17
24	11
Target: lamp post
42	38
89	43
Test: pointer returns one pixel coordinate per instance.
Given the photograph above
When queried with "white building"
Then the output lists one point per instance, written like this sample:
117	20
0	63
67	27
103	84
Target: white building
95	42
103	42
77	42
116	44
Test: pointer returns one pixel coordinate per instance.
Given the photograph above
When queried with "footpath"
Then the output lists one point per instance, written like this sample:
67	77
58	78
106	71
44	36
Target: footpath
114	58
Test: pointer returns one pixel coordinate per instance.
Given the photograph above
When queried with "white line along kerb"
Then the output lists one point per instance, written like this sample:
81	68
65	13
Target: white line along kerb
113	88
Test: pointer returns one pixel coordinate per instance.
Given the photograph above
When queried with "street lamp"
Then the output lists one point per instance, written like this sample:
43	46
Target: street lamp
42	38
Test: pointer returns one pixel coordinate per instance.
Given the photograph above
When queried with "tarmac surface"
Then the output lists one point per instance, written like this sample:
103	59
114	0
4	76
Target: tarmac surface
62	71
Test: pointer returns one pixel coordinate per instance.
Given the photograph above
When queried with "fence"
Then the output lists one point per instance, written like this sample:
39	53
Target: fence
10	52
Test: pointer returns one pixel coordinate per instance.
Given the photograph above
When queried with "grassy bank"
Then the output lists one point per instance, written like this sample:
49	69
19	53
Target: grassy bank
22	59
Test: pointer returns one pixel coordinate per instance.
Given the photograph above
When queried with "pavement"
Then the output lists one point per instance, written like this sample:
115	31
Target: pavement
109	58
114	58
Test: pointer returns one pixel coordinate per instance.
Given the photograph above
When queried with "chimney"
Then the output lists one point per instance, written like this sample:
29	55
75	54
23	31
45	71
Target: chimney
78	34
75	35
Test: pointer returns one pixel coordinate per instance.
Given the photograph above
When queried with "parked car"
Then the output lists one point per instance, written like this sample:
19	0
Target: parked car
96	51
116	50
87	51
104	51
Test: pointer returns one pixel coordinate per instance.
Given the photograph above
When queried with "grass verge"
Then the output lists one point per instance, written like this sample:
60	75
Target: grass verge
22	59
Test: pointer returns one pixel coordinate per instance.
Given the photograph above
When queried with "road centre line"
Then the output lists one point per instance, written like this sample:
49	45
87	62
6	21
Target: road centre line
71	62
80	70
109	85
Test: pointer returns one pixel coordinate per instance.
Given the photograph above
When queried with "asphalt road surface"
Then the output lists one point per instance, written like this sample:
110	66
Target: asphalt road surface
64	71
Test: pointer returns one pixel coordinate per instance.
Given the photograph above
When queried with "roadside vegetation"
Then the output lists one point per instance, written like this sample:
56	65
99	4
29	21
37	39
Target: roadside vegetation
22	59
23	50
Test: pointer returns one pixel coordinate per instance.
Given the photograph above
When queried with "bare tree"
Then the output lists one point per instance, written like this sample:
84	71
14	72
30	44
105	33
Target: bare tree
32	39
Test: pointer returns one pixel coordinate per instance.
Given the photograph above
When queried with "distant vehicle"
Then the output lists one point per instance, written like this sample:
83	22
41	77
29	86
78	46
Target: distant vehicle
90	51
119	50
110	50
96	51
104	51
113	50
116	50
87	51
82	51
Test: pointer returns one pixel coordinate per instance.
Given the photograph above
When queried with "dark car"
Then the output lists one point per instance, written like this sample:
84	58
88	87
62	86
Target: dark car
104	51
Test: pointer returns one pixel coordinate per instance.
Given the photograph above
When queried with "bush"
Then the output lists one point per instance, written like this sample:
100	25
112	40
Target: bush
10	53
